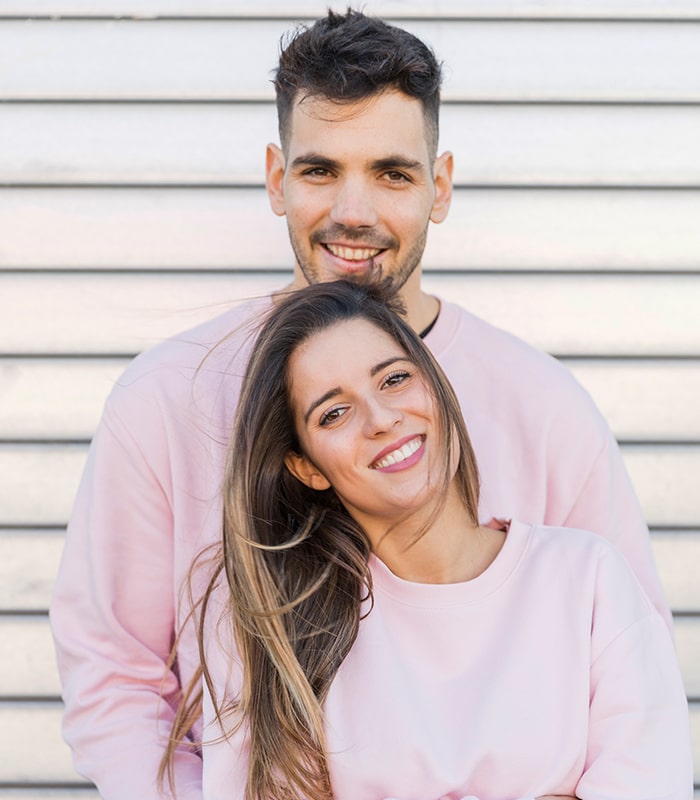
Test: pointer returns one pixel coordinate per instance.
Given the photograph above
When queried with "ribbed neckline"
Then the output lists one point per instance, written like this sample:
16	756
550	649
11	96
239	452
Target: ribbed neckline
435	595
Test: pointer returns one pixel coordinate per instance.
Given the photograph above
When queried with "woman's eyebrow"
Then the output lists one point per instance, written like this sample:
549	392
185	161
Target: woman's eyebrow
316	403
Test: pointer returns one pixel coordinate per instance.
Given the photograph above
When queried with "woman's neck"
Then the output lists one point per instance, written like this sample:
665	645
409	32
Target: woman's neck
451	550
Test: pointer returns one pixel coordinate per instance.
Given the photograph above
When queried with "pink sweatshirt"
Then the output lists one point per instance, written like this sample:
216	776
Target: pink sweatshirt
150	500
507	686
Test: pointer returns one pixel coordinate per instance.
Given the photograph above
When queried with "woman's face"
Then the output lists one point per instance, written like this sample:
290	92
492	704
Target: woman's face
366	423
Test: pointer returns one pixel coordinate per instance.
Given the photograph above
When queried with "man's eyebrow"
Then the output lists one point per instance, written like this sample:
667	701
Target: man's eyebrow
316	403
314	160
388	162
398	162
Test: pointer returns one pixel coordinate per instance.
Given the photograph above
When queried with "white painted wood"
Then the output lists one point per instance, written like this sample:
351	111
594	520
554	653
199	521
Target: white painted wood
29	561
213	60
28	667
31	733
645	400
54	399
223	229
536	9
224	144
687	637
565	314
677	556
152	229
62	398
38	482
666	481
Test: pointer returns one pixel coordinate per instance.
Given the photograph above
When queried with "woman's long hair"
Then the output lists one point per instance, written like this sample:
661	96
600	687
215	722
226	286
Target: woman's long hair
295	561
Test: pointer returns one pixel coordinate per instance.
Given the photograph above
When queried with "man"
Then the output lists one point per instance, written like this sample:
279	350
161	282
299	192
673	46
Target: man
359	179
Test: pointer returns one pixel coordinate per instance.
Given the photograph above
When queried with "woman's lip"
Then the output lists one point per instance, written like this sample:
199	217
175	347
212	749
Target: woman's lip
397	446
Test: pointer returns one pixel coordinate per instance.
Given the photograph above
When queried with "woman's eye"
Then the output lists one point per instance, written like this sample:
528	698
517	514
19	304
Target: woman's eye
331	416
396	378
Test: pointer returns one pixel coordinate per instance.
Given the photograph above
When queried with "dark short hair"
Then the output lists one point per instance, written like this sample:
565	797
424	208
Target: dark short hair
349	57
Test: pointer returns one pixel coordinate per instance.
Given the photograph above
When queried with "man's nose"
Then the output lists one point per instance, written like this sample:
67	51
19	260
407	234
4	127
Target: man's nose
353	205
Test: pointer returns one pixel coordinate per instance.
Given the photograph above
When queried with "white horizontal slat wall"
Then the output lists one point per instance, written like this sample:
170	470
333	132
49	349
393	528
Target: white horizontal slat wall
132	205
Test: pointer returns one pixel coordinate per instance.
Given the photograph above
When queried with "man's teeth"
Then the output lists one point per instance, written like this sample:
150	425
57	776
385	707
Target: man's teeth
401	454
353	253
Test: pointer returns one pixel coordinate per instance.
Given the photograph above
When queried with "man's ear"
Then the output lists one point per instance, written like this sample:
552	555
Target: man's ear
274	178
304	471
442	175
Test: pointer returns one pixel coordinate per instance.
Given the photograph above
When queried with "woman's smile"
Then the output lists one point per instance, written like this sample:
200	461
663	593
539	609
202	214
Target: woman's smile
401	456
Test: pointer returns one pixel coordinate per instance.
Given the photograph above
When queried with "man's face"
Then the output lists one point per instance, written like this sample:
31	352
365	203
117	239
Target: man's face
358	186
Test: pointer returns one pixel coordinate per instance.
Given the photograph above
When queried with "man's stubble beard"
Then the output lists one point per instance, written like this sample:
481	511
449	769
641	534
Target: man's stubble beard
399	275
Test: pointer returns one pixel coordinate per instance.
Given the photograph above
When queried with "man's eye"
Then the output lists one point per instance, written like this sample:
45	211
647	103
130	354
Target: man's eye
396	177
317	172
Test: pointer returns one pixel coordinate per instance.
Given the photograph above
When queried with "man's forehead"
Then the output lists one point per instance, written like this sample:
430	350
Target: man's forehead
389	114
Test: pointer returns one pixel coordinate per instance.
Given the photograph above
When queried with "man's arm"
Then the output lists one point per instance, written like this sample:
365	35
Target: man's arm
607	504
113	619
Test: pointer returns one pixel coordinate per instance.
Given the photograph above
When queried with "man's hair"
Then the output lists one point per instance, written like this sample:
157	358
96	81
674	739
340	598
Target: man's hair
349	57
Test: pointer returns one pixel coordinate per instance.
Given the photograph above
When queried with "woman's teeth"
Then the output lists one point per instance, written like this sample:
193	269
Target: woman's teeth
399	455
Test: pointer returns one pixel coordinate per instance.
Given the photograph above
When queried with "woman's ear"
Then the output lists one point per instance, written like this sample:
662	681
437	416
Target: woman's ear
304	471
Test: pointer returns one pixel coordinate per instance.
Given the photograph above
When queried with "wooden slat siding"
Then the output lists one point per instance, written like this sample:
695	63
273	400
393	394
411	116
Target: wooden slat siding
565	314
174	144
488	230
55	399
406	9
29	561
677	554
211	60
28	666
649	400
32	732
38	482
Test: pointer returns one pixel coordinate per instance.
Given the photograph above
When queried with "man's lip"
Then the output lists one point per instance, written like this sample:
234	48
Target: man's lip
370	251
397	446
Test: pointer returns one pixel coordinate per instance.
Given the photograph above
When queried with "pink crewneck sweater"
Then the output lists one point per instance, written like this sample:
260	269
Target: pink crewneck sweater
149	501
549	673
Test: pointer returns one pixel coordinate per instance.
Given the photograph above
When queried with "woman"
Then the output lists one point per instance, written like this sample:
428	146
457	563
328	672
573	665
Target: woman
373	640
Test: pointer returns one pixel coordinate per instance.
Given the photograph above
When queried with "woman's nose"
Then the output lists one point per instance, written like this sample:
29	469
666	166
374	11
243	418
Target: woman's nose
381	417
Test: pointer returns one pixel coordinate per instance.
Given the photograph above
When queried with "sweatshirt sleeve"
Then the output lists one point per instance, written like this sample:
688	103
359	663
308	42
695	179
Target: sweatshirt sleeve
112	617
639	736
603	499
